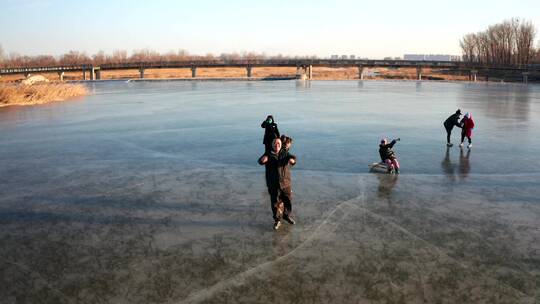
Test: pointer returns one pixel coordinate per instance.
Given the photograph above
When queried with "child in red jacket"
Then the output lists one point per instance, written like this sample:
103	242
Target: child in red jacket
467	125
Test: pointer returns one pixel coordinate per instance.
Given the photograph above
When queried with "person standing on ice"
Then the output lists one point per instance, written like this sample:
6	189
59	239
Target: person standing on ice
467	125
449	123
278	163
270	132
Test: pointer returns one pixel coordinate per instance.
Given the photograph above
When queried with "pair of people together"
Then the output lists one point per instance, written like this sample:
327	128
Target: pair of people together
278	162
466	124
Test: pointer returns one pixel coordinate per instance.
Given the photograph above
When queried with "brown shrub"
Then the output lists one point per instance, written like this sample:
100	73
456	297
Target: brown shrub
19	94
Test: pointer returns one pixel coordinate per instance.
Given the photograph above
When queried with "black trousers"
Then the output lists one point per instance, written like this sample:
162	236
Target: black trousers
463	137
280	195
448	133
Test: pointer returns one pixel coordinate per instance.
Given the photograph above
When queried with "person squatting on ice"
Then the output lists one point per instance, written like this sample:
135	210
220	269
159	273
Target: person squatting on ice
278	163
270	132
449	123
467	125
388	156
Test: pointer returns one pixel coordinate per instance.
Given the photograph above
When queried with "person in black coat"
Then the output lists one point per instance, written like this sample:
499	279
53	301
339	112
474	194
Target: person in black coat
388	156
278	163
449	123
270	132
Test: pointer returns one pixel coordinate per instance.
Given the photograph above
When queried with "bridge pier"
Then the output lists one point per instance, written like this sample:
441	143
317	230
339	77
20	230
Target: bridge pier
248	70
61	75
525	77
83	74
141	73
193	72
304	72
98	73
472	75
361	72
92	73
418	72
301	72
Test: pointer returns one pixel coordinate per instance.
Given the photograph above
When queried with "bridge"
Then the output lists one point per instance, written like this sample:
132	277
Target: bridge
304	67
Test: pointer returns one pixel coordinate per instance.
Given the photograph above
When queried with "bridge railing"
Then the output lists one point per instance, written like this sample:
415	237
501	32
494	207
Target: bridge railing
43	69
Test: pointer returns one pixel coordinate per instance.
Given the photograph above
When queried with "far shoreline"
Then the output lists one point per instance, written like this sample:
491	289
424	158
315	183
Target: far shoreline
272	74
254	79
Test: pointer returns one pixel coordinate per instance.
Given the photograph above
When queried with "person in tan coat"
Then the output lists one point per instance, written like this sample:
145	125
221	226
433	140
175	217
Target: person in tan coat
278	163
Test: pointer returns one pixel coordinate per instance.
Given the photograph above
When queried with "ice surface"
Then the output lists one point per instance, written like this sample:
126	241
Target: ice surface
150	193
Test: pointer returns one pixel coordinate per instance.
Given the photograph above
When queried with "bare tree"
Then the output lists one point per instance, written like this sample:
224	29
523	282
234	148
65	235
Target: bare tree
144	55
99	58
118	56
2	56
121	56
525	42
509	42
467	44
536	57
74	58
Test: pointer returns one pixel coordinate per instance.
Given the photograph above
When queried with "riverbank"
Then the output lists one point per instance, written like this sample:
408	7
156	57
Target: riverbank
19	94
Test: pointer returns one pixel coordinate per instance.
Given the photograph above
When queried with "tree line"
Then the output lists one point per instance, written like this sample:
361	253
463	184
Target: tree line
510	42
121	56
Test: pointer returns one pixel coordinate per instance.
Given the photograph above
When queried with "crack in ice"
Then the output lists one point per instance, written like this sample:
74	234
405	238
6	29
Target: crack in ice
238	279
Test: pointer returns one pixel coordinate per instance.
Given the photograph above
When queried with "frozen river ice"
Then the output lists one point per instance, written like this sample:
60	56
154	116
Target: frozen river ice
149	192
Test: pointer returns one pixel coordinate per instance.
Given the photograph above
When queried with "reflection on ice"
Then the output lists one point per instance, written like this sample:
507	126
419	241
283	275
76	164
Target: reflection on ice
460	169
464	165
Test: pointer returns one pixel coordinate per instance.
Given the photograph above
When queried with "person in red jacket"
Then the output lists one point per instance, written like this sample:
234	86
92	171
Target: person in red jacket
467	125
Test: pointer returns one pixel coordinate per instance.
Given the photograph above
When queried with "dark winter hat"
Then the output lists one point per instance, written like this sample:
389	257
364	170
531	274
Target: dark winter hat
458	111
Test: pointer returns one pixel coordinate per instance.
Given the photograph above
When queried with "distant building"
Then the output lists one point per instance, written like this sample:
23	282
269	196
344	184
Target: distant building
414	57
343	56
334	57
352	56
430	57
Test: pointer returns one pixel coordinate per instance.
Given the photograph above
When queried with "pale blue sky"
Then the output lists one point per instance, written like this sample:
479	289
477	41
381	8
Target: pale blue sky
372	29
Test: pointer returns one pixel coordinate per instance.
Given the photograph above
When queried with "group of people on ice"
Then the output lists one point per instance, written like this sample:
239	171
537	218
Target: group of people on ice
389	158
278	161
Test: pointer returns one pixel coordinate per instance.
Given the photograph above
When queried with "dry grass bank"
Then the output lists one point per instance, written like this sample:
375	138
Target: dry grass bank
20	94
